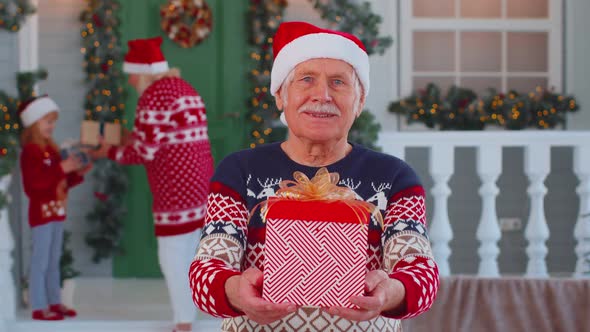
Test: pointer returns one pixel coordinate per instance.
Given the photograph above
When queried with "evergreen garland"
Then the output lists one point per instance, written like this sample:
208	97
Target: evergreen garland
13	13
66	261
10	125
463	109
104	102
266	16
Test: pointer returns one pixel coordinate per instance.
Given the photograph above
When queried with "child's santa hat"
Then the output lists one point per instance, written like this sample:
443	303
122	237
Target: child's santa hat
297	42
32	110
145	57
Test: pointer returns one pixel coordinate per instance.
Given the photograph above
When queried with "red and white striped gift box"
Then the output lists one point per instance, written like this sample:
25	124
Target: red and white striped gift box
315	253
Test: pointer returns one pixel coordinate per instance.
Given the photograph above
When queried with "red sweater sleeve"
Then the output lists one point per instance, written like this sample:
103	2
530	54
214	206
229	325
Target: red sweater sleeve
74	179
126	155
220	251
407	255
40	172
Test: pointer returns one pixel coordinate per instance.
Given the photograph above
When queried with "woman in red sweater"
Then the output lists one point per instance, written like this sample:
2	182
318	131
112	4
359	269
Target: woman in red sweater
46	180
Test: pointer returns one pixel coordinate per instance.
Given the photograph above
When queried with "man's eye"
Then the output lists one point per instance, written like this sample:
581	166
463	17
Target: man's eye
307	79
338	82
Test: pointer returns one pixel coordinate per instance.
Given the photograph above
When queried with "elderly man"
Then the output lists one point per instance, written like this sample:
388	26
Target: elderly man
170	140
320	79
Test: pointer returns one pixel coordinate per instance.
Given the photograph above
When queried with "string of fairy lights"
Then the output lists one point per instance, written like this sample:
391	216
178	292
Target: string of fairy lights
463	109
265	17
104	102
101	49
12	15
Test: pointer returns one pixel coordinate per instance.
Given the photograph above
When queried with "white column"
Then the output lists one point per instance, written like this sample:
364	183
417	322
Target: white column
537	165
7	288
582	229
28	42
441	168
489	166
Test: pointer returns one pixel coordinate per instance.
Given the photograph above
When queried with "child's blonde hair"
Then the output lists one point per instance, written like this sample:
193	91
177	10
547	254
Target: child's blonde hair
32	134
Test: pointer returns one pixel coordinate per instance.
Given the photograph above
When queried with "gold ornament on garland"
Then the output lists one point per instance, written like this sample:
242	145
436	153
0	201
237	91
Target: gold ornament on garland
186	22
13	13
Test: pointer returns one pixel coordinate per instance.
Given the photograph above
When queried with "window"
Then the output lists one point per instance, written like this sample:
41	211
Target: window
478	44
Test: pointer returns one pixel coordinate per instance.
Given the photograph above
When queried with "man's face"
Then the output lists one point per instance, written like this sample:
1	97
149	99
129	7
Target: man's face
133	80
320	100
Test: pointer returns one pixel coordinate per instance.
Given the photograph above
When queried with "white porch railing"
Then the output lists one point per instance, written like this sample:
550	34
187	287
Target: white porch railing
489	144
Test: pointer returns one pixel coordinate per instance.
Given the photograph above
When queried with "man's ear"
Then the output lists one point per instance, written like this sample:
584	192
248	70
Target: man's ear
361	105
279	99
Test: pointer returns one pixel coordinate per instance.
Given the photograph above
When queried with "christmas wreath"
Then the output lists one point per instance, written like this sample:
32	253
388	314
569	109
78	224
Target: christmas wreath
186	22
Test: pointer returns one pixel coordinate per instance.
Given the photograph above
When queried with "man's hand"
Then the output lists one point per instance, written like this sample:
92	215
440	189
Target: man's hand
383	294
244	294
101	152
126	136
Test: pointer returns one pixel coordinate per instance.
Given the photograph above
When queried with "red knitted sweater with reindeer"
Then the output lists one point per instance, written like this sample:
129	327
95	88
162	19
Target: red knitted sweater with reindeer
234	239
170	140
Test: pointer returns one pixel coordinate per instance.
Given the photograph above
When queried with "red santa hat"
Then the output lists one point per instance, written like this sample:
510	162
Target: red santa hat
32	110
297	42
145	57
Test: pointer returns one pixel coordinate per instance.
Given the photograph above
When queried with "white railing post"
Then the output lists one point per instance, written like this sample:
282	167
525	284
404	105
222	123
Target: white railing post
582	228
441	168
7	288
537	166
489	167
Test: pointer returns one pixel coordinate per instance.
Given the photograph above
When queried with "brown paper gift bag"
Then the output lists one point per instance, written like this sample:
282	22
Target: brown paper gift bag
91	131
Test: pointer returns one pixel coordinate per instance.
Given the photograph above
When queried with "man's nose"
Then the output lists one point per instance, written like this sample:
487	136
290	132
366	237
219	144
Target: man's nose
321	91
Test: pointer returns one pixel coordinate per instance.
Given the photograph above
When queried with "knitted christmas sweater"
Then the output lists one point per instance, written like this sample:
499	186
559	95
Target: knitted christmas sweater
230	243
42	173
170	140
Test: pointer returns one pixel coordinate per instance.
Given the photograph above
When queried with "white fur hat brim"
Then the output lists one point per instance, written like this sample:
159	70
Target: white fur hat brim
319	45
142	68
37	109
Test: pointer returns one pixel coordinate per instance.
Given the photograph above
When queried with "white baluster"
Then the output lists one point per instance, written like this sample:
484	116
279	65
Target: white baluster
489	166
7	289
441	168
537	164
582	229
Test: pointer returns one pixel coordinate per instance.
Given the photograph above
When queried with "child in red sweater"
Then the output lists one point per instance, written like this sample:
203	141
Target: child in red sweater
46	180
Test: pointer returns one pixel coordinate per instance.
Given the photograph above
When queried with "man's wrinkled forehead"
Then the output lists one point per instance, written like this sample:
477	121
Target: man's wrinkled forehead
331	67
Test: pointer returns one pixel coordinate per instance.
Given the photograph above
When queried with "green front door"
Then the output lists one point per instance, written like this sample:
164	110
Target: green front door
216	68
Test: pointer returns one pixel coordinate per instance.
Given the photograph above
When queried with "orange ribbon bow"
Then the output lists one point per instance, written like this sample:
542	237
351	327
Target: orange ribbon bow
323	186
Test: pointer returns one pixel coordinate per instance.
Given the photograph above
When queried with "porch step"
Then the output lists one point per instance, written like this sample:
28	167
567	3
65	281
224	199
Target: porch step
115	305
206	325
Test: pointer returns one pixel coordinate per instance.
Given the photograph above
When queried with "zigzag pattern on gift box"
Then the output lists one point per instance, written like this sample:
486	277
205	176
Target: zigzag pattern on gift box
307	264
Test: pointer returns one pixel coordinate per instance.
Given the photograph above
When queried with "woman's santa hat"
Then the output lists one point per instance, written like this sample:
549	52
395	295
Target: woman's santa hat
34	109
297	42
145	57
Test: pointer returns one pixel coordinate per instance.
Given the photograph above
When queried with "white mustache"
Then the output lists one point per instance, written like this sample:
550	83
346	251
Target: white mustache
319	108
